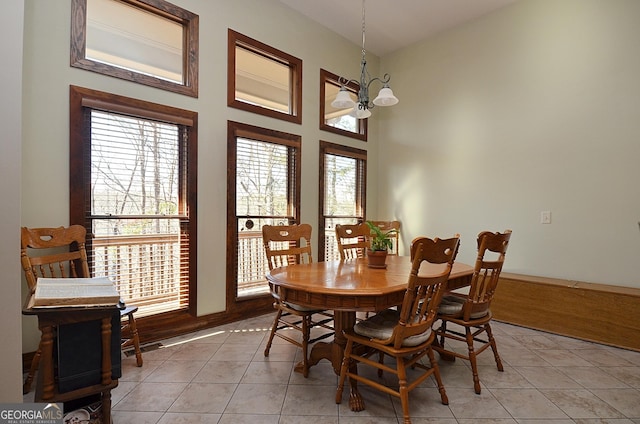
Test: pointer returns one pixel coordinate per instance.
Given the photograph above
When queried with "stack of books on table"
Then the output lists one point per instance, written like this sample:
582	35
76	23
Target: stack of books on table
61	292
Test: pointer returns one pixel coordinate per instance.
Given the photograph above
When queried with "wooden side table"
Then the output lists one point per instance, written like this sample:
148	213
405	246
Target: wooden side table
50	318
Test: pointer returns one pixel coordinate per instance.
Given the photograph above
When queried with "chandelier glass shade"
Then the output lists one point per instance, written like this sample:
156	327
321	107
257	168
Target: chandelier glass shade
361	107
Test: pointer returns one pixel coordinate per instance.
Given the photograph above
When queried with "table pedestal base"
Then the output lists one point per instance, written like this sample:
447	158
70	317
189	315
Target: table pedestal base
334	352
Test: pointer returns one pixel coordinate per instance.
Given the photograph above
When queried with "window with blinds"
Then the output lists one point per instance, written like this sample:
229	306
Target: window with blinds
135	179
342	193
265	191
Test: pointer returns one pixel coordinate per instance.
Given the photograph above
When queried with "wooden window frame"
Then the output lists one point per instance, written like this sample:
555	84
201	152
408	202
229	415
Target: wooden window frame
327	77
295	65
250	304
161	8
79	196
361	200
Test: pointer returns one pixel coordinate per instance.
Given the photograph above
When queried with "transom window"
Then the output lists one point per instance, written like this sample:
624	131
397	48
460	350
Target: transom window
263	80
151	42
339	121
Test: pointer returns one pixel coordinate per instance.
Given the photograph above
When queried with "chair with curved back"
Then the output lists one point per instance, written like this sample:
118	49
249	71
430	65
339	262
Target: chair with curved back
353	240
405	335
60	253
286	245
472	311
395	236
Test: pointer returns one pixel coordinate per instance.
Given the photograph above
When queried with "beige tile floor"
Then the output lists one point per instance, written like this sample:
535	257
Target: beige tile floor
220	375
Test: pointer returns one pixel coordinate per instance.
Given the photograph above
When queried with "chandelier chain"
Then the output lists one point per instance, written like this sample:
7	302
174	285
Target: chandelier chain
363	29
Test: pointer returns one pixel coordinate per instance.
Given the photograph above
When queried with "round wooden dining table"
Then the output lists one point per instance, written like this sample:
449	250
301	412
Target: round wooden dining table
347	287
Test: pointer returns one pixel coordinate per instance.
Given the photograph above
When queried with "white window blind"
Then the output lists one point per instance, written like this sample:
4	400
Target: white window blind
137	211
262	171
343	188
265	195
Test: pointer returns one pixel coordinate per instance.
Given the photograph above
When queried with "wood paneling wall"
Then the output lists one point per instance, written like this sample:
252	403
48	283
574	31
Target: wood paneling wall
595	312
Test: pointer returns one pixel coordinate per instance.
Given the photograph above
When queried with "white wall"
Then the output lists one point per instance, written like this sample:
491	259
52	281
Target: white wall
47	77
533	108
11	22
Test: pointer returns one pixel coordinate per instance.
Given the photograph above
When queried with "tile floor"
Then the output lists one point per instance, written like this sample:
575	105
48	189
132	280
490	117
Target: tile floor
220	375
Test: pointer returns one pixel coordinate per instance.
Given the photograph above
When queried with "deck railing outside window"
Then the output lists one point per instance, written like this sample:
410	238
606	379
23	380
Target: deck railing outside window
251	272
146	269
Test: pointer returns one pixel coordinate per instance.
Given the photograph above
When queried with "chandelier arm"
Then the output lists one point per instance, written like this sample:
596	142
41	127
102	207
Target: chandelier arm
345	82
384	80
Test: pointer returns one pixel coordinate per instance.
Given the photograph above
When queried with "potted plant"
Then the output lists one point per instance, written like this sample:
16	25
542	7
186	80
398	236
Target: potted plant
380	243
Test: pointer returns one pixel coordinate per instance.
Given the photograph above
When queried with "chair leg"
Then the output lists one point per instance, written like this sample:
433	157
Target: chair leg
274	328
439	343
436	373
472	360
306	329
343	370
133	328
442	331
403	390
35	362
494	346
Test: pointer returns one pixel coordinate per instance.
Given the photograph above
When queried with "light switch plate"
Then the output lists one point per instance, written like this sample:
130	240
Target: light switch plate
545	217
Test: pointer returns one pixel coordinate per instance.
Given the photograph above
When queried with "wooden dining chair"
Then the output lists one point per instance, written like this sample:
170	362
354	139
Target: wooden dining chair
404	335
353	240
287	245
385	226
60	253
472	311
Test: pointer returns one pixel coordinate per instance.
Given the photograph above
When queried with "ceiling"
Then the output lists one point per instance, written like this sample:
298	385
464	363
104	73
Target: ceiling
393	24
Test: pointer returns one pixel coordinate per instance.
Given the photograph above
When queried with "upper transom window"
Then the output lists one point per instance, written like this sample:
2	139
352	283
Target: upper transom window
152	42
263	79
339	121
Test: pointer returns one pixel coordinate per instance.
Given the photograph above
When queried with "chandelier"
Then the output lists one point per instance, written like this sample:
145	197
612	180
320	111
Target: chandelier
361	108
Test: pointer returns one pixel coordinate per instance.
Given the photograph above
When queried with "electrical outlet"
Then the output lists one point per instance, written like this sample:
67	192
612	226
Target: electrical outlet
545	217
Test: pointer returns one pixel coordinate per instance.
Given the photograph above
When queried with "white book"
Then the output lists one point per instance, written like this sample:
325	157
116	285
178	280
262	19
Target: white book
75	292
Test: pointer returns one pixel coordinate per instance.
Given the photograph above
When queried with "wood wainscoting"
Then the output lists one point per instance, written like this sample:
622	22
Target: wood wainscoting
595	312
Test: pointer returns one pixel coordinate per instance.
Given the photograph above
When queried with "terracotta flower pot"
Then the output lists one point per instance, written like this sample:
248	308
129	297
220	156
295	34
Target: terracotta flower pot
377	258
